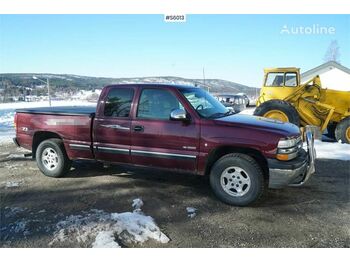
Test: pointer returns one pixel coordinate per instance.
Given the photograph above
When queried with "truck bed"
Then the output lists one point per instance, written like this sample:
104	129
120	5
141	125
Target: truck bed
60	110
72	124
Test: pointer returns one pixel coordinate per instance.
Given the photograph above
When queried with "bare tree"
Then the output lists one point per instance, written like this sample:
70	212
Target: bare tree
332	53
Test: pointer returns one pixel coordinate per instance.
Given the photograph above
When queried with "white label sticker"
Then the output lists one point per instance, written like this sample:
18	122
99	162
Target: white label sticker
175	18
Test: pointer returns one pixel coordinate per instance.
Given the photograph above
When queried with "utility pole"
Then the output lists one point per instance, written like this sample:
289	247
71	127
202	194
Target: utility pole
204	79
48	90
47	85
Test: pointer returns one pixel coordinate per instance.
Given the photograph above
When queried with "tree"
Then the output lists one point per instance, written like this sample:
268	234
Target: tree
332	53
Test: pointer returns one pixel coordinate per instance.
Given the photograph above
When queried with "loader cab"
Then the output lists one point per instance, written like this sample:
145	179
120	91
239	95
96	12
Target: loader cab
279	83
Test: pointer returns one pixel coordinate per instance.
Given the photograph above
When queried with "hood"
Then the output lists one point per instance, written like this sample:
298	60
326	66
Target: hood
267	124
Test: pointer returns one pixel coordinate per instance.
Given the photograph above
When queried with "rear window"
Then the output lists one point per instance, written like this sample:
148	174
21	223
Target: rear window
118	102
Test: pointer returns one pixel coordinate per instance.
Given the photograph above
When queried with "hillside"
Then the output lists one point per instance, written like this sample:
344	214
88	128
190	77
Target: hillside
61	82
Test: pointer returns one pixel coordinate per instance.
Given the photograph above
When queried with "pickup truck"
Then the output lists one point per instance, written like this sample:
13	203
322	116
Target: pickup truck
174	127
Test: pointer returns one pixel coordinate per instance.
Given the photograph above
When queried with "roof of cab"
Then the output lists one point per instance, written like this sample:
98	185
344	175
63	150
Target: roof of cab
140	85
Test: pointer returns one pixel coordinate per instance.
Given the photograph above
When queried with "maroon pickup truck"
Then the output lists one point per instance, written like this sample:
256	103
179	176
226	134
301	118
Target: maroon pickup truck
173	127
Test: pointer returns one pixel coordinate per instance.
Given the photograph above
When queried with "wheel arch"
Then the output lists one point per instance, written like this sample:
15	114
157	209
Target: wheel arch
219	152
40	136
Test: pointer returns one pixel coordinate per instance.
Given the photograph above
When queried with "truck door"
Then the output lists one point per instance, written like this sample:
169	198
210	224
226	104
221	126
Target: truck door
111	130
158	141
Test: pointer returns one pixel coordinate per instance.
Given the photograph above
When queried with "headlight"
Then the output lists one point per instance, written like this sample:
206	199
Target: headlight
288	142
287	148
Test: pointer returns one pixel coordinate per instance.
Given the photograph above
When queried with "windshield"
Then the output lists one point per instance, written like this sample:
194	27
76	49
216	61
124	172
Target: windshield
205	104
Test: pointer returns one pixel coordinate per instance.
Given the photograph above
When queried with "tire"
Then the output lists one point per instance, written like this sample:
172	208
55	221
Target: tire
331	130
342	131
279	105
237	167
52	159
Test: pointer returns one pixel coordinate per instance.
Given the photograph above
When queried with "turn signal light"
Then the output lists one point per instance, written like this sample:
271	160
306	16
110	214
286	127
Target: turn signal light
283	157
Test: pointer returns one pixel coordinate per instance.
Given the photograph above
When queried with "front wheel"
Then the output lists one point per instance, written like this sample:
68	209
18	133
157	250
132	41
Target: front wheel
52	159
279	110
237	179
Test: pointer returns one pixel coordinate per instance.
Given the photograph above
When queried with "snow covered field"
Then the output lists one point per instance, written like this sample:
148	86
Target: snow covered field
324	149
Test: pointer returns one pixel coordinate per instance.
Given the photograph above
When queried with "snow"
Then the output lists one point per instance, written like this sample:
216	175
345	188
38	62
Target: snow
10	184
332	150
248	111
109	229
137	204
105	239
191	212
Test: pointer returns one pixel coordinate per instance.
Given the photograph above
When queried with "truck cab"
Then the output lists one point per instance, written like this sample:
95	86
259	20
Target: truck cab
279	83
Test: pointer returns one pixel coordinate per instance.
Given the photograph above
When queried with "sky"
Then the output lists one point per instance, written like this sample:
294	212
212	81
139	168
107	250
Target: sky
229	47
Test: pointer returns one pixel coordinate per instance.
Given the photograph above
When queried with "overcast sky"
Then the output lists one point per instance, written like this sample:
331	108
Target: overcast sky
230	47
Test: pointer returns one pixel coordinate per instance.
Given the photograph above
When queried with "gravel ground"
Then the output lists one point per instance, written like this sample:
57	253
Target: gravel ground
315	215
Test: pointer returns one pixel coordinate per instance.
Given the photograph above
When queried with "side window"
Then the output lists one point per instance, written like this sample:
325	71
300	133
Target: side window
291	79
274	79
157	104
118	102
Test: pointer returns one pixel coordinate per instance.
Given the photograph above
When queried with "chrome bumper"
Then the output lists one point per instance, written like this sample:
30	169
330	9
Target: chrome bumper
296	172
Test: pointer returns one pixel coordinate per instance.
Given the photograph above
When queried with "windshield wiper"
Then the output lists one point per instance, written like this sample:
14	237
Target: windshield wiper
219	114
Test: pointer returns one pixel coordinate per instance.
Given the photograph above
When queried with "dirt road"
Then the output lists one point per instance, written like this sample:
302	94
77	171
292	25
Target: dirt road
315	215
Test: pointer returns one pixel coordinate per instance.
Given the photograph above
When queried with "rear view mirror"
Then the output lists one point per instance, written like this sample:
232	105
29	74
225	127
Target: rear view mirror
178	114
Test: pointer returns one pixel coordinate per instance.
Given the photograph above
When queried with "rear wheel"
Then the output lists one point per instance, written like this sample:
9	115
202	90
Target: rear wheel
342	131
279	110
52	159
237	179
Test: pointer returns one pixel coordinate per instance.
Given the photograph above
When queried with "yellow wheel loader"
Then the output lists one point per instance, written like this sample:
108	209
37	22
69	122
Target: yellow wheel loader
283	97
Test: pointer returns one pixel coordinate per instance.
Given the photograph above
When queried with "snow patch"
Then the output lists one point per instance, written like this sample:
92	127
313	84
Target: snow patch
105	239
332	150
15	156
248	111
137	203
104	229
10	184
191	212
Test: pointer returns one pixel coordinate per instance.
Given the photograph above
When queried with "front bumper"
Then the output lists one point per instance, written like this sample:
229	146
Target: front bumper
294	172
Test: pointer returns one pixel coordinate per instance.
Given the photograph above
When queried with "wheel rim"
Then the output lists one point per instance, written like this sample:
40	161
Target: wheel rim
347	134
49	158
276	114
235	181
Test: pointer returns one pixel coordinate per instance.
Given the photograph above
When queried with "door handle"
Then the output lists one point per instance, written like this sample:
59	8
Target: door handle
138	128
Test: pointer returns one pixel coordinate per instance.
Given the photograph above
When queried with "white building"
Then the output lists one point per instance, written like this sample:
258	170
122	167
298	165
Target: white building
333	76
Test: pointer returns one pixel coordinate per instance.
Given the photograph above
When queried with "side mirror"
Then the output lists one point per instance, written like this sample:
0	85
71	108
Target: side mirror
178	114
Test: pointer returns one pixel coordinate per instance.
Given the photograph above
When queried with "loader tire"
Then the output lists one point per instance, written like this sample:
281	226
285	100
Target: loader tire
342	131
278	109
